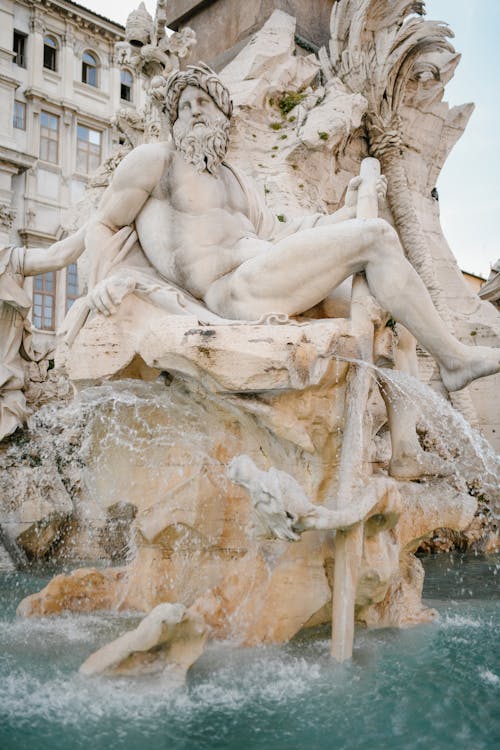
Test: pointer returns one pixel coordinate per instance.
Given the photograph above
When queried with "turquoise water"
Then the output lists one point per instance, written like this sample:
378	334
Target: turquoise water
436	686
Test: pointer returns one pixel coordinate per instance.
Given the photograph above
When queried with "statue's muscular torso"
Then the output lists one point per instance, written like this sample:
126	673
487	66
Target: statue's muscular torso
194	228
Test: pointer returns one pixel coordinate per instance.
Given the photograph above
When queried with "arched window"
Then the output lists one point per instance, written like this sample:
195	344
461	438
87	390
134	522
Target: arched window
126	81
89	69
49	53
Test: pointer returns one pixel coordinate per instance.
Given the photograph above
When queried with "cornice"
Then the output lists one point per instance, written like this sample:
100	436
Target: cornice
19	159
85	18
66	105
32	237
9	81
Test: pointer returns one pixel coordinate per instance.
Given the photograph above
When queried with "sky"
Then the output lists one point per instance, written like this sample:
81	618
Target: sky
469	183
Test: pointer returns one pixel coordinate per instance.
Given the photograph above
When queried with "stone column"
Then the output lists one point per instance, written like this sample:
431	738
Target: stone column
35	66
68	62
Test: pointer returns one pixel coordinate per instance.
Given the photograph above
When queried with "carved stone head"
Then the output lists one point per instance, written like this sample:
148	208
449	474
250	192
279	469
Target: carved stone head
199	108
203	78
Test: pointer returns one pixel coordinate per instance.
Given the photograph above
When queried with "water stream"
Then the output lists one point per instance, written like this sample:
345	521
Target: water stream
474	463
449	433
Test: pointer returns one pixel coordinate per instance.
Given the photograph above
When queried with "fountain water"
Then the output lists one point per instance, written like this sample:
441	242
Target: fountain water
435	686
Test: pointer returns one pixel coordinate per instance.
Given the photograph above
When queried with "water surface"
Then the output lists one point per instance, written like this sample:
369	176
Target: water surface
436	686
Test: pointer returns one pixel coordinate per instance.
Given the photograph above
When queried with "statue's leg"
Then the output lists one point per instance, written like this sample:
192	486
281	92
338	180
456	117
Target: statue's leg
302	269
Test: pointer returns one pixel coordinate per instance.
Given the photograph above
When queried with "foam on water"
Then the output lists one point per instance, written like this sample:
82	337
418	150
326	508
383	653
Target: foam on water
460	621
489	677
432	686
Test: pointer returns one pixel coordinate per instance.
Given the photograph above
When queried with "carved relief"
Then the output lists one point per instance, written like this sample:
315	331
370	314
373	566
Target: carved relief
7	216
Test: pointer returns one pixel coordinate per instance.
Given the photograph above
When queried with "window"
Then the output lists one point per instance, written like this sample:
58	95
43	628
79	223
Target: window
50	53
44	293
126	85
49	137
20	115
71	285
19	45
89	69
88	149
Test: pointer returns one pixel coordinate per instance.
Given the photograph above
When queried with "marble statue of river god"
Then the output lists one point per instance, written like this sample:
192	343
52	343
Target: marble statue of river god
201	228
182	230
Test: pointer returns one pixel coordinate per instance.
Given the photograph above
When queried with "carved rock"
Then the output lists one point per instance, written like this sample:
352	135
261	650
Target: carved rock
168	640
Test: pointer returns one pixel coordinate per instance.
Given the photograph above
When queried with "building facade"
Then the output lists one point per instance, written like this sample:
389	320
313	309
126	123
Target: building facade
59	89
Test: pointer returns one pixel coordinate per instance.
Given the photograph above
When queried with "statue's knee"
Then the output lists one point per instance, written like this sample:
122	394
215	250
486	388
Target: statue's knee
383	229
383	236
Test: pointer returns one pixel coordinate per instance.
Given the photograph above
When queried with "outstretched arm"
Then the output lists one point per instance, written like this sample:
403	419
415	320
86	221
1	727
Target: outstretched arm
60	254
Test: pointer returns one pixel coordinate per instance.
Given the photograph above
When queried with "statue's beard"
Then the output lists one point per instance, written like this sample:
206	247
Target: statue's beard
203	145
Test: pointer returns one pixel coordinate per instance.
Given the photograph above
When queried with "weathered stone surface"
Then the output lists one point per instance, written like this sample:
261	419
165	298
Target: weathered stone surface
116	535
402	605
194	538
426	505
266	68
331	122
41	537
168	640
232	358
35	504
84	590
232	24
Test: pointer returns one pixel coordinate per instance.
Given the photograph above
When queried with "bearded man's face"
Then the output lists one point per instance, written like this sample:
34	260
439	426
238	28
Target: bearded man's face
201	131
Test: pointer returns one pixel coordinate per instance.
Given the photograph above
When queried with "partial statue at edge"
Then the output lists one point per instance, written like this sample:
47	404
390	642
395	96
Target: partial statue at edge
16	263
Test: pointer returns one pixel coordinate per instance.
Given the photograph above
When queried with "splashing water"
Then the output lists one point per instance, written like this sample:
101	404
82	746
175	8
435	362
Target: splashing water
476	465
474	460
435	686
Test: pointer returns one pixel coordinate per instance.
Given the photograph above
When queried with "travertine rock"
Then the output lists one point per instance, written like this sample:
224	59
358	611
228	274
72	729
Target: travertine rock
266	66
39	539
84	590
168	640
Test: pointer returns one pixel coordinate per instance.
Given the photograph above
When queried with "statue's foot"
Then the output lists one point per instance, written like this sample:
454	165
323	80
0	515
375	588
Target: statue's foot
477	362
169	640
418	465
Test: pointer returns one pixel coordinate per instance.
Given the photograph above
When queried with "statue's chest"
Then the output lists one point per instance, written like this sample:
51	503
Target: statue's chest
192	192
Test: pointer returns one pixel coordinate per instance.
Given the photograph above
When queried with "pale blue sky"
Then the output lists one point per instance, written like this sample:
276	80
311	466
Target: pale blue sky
468	185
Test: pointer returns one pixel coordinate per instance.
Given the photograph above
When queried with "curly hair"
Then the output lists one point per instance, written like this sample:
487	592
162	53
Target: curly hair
203	78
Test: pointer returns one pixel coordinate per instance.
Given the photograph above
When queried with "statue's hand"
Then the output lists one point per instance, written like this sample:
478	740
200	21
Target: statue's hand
109	293
351	197
381	188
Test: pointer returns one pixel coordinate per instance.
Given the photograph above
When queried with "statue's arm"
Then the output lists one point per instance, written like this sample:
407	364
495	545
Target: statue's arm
60	254
133	182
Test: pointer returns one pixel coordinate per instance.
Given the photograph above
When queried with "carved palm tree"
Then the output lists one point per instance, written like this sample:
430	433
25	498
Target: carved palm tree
376	47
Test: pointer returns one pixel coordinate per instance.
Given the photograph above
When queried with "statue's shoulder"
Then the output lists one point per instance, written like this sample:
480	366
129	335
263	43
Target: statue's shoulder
145	162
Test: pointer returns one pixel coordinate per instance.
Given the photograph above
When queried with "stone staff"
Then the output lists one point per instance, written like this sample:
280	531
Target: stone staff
349	543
